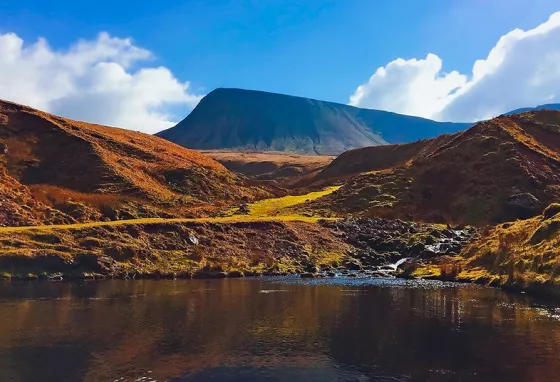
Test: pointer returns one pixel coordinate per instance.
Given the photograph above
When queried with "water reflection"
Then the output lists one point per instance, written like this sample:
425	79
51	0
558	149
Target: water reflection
274	330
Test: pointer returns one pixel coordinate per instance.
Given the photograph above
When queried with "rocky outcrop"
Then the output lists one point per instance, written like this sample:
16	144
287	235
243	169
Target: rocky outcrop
381	245
522	206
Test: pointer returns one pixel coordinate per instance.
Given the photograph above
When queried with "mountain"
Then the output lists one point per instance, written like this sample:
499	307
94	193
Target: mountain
550	106
498	170
247	120
57	170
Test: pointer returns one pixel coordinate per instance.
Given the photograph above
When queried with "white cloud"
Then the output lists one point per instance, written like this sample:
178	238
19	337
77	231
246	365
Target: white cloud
523	69
96	81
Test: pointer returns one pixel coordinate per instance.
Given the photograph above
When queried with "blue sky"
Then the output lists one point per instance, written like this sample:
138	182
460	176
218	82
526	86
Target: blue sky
314	48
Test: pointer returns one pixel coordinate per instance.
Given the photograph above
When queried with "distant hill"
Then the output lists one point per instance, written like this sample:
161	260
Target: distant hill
56	170
550	106
281	167
247	120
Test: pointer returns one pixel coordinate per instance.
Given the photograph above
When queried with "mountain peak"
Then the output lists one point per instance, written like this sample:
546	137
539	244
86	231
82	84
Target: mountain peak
252	120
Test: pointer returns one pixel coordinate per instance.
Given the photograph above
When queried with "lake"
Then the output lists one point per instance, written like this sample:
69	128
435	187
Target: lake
274	329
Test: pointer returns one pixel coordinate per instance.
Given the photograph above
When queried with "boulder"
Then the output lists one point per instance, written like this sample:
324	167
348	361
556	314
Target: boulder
416	249
522	206
552	210
354	266
311	268
193	239
235	274
428	254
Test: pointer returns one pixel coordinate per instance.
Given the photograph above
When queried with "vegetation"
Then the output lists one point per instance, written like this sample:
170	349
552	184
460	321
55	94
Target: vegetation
519	255
169	249
55	170
128	203
281	207
465	178
273	166
523	254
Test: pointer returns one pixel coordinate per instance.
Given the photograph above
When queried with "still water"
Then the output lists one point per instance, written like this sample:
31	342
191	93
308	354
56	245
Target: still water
274	329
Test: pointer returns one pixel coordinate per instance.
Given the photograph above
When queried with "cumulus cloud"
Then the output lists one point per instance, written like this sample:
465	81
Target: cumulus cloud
523	69
102	81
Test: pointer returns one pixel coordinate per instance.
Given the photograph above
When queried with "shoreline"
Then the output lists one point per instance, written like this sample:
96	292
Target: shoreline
532	291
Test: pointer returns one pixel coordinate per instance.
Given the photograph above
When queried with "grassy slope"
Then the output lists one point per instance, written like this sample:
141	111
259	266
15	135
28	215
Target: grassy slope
265	240
273	209
462	178
89	172
520	255
525	253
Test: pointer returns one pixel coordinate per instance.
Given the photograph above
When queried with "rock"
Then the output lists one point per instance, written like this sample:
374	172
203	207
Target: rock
522	206
445	247
393	257
428	254
430	239
331	274
354	266
551	211
210	273
243	209
307	275
435	233
448	233
416	249
311	268
235	274
193	239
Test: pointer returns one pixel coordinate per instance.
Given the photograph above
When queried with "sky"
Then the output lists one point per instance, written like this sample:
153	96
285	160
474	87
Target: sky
144	67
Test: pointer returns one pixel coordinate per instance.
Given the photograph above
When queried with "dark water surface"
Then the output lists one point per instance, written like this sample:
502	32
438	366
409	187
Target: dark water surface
274	330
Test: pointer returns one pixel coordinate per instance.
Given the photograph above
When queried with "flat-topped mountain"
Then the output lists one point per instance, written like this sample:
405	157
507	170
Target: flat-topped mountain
247	120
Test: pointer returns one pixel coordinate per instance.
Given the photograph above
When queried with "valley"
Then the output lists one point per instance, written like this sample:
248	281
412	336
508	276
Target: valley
88	201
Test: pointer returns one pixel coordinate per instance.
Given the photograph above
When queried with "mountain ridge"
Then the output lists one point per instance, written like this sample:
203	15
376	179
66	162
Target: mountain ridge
548	106
252	120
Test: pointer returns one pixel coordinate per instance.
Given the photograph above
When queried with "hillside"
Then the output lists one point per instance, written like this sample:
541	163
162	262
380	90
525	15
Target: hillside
498	170
524	254
520	255
56	170
276	166
246	120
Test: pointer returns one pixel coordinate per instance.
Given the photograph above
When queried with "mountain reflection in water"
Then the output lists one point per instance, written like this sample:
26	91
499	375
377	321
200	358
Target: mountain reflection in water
274	329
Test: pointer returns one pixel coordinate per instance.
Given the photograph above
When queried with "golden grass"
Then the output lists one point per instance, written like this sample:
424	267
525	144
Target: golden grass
523	254
267	210
161	248
122	169
147	221
277	206
462	178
